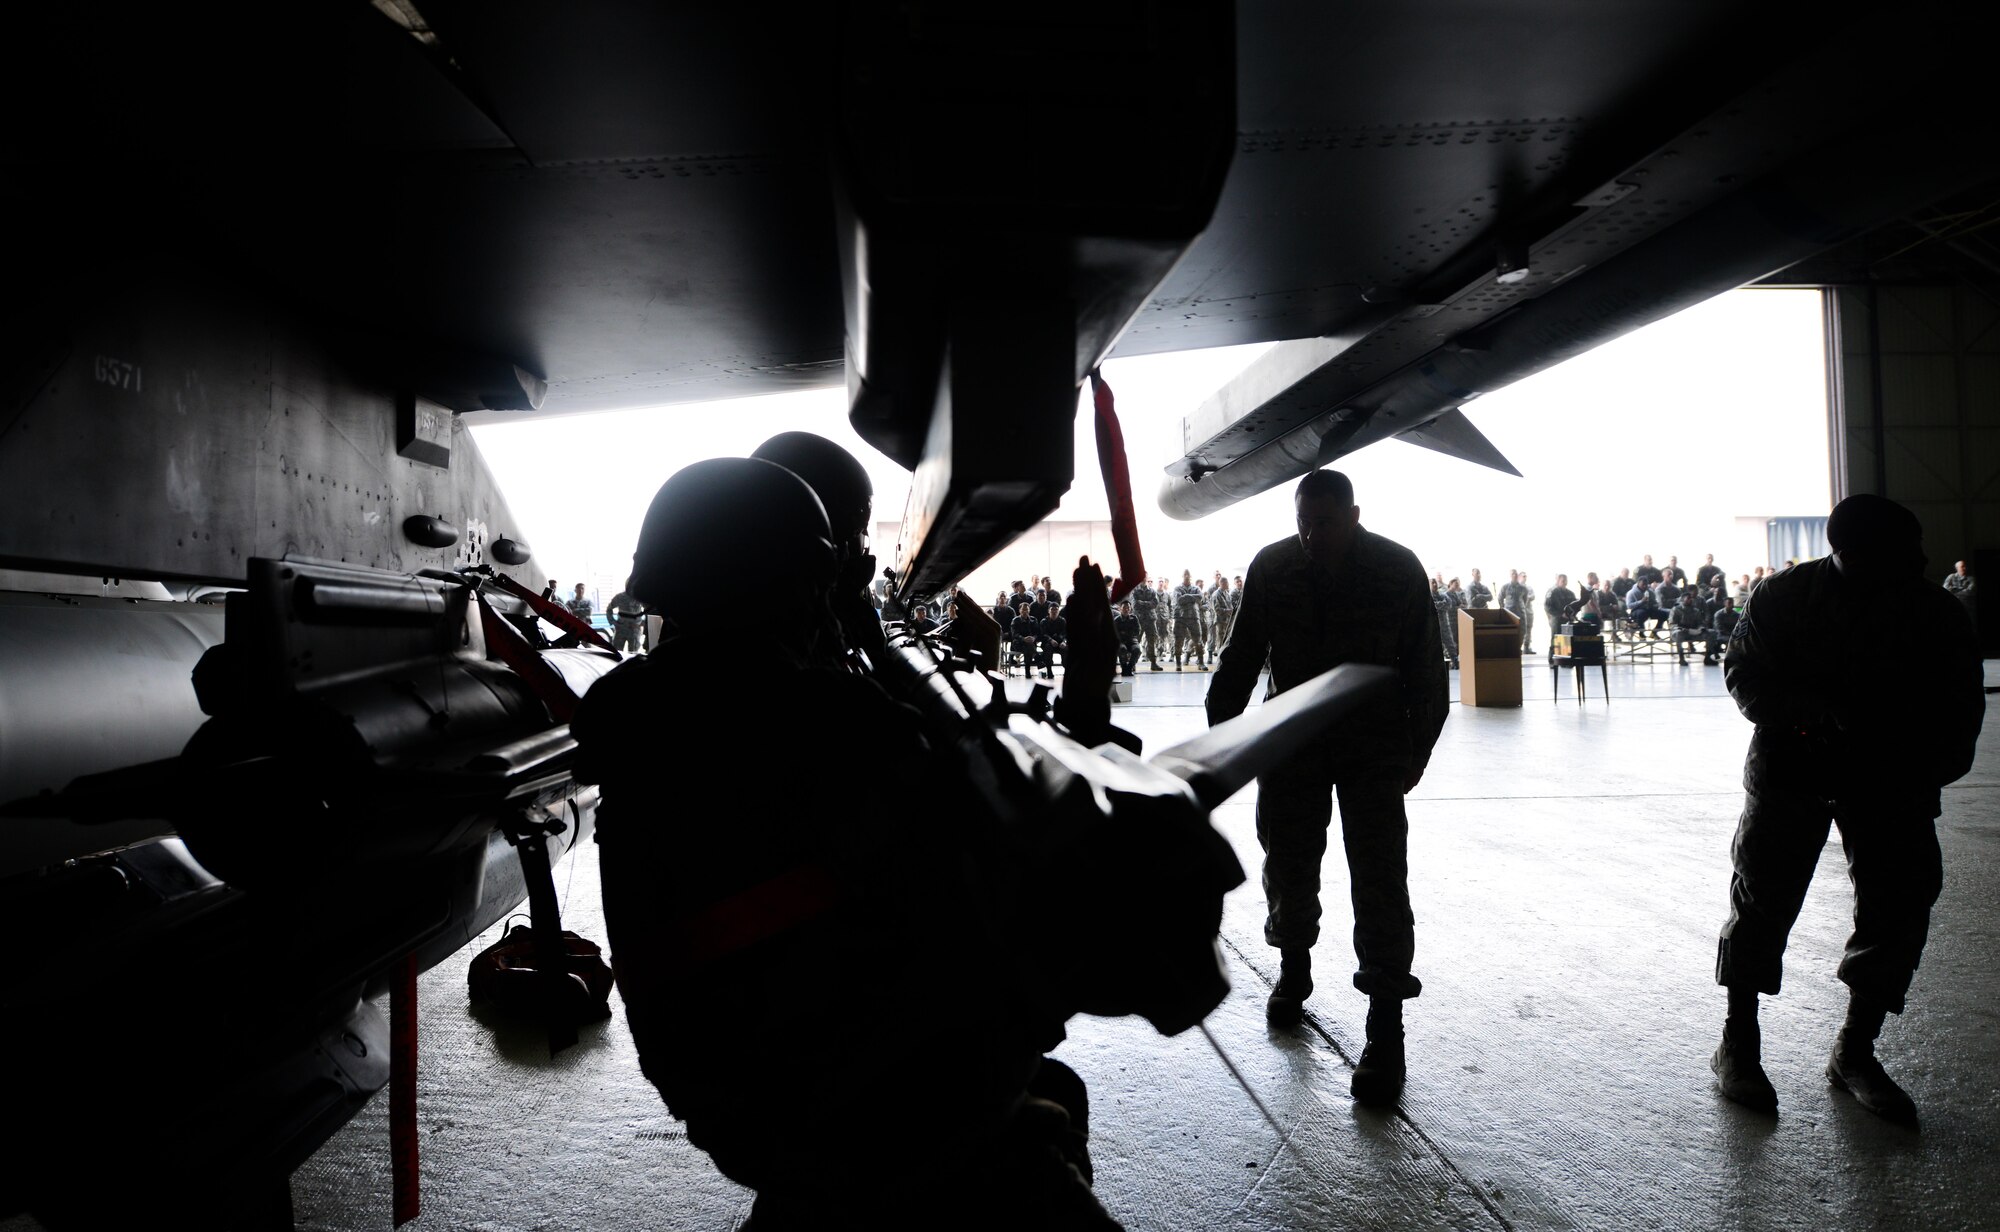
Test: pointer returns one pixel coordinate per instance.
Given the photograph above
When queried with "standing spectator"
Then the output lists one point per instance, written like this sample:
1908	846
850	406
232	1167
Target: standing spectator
1852	737
1478	596
626	615
549	592
1959	583
1146	611
1456	593
1447	617
1709	574
1515	597
1556	603
1187	622
1125	628
1757	578
580	605
1164	618
1222	603
1336	593
921	623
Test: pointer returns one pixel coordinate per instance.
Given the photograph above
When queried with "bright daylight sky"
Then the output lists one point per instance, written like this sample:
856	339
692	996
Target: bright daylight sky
1656	442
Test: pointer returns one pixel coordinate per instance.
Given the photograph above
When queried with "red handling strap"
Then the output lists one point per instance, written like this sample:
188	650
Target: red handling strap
555	613
403	1173
507	644
1117	489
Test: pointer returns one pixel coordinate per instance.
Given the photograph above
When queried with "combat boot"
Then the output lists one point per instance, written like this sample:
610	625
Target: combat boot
1739	1076
1286	1006
1378	1076
1863	1077
1854	1069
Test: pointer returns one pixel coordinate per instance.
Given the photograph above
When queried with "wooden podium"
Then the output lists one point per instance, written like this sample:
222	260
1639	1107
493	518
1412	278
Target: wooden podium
1489	657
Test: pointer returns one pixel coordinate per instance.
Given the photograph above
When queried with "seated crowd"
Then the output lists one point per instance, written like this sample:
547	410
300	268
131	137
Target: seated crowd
1699	610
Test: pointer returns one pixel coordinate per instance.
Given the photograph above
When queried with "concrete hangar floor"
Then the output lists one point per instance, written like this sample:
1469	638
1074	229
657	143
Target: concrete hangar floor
1569	866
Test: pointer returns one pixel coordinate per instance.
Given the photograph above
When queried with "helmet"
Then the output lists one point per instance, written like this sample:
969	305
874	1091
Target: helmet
834	475
751	524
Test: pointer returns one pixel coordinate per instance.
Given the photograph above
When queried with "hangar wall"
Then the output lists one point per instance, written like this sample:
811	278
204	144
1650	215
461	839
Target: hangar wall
1914	396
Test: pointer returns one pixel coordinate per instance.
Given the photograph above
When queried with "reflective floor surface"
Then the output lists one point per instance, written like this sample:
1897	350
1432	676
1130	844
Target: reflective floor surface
1569	866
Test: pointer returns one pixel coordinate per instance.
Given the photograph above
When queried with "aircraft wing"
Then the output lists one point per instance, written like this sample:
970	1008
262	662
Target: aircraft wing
634	202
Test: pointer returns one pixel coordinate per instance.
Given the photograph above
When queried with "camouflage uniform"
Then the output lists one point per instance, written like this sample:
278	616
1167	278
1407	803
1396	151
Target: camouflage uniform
1847	735
1307	620
1446	607
626	612
1478	596
1690	624
1222	604
1146	610
1517	598
1126	630
1964	589
1555	603
1187	624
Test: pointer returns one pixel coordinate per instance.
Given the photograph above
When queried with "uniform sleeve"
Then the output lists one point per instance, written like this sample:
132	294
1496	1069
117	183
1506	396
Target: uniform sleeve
1425	680
1761	677
1243	657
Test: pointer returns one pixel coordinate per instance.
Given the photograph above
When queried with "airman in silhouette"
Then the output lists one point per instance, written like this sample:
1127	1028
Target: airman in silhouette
761	924
1849	734
1336	593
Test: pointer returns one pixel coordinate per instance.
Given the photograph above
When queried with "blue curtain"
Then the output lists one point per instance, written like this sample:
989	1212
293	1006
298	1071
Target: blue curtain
1795	539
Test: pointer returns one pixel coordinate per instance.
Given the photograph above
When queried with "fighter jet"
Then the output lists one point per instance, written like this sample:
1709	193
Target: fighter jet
270	261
